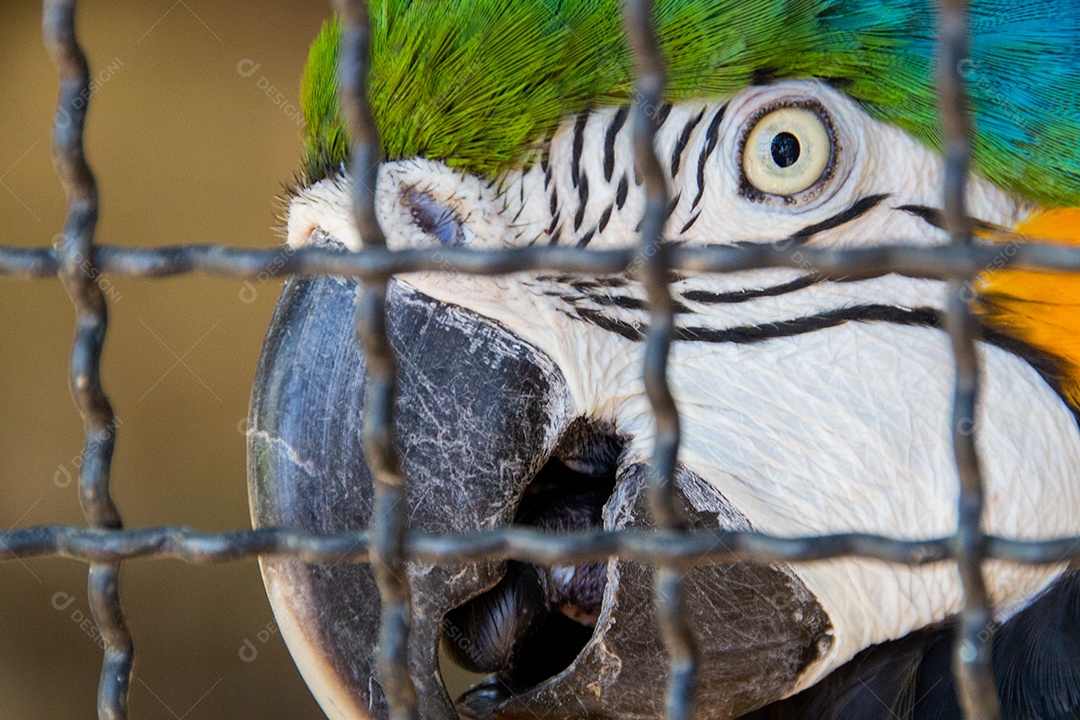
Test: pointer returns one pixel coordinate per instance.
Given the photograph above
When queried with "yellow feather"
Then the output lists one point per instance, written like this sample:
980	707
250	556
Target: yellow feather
1040	308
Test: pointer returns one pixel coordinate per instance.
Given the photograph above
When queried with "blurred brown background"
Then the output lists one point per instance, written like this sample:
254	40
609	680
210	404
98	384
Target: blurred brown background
186	148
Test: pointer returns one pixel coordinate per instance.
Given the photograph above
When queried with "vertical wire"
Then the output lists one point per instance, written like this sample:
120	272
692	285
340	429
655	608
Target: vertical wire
972	652
389	511
668	590
77	273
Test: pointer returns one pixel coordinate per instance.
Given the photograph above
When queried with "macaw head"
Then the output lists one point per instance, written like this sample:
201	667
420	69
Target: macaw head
809	405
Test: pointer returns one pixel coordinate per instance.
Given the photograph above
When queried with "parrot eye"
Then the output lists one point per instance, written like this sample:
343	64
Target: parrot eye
433	218
787	150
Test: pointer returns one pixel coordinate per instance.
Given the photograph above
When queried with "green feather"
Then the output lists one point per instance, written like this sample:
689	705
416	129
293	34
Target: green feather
326	142
479	83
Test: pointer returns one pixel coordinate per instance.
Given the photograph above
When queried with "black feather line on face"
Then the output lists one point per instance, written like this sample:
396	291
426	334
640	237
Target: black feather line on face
582	283
620	193
683	141
689	224
713	138
604	322
925	316
1048	367
857	209
583	198
673	205
747	334
604	219
609	141
579	146
738	296
936	219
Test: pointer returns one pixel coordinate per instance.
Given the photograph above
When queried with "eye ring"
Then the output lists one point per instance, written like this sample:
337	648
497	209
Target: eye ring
788	151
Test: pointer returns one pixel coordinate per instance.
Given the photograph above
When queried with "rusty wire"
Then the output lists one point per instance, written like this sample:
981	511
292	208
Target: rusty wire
104	545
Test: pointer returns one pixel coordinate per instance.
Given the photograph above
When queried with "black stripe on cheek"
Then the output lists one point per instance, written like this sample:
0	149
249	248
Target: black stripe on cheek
609	141
554	222
621	301
586	238
681	143
631	303
579	283
611	281
605	218
934	218
689	224
713	135
620	194
925	316
930	215
672	205
859	208
747	334
625	329
738	296
579	145
583	194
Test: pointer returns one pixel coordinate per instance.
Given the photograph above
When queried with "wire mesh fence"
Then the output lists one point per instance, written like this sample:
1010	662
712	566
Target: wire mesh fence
105	544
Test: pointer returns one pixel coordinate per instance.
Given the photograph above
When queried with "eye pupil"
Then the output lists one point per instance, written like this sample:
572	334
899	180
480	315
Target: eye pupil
785	149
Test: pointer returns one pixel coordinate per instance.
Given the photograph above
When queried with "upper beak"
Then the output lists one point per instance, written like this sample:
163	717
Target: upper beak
480	415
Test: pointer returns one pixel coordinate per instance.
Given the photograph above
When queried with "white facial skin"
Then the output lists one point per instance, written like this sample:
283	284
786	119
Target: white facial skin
845	428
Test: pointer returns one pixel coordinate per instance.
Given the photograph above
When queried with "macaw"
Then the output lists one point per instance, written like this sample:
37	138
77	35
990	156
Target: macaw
809	405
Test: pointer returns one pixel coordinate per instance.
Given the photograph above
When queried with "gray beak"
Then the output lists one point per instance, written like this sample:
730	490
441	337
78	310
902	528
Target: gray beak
487	439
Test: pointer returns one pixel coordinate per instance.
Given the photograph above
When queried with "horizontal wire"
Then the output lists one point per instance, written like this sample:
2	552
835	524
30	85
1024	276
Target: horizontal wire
937	262
685	548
